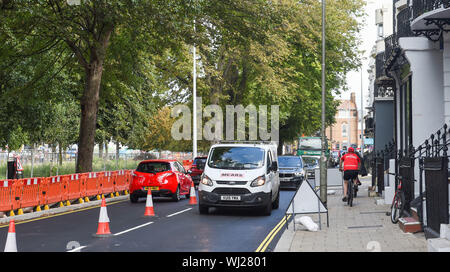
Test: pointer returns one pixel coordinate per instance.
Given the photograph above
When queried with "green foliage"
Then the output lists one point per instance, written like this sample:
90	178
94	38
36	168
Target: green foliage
121	62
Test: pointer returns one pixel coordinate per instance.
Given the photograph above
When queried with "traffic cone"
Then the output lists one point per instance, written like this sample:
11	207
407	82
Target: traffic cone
193	197
11	245
149	211
103	222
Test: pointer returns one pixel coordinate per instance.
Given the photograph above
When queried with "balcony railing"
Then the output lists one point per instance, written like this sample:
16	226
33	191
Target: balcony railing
379	65
420	7
404	23
390	44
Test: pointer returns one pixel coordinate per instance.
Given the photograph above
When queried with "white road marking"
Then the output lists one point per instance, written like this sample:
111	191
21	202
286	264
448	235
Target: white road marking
137	227
170	215
78	249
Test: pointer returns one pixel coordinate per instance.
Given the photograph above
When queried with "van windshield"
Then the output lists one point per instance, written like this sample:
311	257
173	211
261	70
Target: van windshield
228	157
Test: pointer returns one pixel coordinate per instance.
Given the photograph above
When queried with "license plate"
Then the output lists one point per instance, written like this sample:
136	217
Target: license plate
230	198
153	188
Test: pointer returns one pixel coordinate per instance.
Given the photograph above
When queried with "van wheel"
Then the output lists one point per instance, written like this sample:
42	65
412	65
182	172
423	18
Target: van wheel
267	210
276	203
203	209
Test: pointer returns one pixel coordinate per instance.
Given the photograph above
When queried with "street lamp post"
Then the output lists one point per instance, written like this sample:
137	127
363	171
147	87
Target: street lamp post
194	104
323	159
362	116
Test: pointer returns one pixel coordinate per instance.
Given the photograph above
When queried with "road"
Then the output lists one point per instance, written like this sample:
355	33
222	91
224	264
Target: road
177	227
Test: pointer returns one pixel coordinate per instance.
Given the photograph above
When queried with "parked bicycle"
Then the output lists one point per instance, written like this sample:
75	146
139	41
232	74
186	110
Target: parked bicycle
398	202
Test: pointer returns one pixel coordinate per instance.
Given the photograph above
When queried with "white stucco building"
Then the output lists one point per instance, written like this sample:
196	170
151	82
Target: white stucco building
412	79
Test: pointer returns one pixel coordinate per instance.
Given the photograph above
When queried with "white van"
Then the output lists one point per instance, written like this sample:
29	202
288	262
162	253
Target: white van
240	175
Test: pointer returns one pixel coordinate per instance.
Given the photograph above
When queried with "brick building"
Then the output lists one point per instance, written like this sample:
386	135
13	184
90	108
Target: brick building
345	131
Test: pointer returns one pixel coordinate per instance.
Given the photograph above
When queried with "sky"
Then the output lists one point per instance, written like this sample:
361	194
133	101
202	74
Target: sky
368	36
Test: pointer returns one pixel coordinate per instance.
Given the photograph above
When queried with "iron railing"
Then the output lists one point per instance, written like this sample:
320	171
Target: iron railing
379	65
433	177
381	163
420	7
404	23
432	157
390	44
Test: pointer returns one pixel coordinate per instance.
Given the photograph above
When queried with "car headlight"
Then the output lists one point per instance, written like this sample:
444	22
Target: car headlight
206	180
299	174
259	181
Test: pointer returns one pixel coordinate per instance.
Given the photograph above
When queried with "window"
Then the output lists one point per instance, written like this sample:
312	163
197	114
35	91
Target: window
344	130
153	167
179	167
344	114
236	157
380	31
269	161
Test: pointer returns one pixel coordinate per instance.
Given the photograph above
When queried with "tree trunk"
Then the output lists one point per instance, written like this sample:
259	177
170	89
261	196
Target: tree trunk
106	149
60	154
117	154
280	147
89	109
93	67
100	150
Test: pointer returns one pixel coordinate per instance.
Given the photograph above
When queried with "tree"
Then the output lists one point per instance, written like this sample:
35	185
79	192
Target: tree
269	53
87	31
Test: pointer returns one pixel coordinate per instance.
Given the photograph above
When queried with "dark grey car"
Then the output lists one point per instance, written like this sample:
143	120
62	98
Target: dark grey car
291	171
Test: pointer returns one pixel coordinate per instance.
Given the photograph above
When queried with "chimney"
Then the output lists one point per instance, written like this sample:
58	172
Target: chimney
353	98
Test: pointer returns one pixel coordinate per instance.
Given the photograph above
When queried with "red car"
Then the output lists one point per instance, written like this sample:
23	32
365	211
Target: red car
166	178
196	170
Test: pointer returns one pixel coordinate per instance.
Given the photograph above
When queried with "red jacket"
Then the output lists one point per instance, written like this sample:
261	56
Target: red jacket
350	161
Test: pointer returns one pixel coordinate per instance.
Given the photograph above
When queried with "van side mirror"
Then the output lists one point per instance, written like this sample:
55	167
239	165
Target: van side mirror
274	166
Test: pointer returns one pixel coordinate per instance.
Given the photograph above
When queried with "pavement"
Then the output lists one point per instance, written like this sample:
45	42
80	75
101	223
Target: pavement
365	227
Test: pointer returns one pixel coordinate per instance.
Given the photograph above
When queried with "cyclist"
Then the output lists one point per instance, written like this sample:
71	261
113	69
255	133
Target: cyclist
352	164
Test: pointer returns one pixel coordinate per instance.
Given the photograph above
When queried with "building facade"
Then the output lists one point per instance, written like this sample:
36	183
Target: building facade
411	99
344	132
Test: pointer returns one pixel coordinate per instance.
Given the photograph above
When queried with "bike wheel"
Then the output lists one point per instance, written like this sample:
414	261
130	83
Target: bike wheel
397	207
350	193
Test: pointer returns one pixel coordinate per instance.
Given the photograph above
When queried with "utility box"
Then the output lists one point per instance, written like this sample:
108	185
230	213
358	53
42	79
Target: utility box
15	170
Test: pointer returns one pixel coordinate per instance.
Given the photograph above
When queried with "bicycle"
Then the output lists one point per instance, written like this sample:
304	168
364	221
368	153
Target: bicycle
351	192
398	202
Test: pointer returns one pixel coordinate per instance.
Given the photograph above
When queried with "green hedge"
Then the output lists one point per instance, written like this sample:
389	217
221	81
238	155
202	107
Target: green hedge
43	170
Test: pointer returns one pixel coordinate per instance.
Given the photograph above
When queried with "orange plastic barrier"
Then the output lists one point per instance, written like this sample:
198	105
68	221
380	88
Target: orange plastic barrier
5	195
53	190
73	186
118	180
106	183
92	184
22	193
109	182
30	193
17	188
